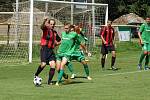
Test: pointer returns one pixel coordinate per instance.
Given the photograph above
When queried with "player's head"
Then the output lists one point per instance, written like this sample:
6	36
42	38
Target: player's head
77	28
72	28
147	19
52	23
67	27
81	25
109	23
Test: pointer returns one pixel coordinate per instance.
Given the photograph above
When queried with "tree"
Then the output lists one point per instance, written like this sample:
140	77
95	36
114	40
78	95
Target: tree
118	8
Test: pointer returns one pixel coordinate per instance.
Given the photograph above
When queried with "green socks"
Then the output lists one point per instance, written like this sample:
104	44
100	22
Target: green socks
61	72
146	60
86	69
141	57
70	67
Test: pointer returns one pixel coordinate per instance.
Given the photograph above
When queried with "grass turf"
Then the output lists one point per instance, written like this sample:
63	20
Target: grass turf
16	81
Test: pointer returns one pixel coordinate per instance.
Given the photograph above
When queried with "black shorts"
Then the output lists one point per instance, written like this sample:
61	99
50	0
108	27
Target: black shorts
106	49
47	54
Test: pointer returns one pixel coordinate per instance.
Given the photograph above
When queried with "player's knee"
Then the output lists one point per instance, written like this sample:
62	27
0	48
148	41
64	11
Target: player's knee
113	55
145	53
103	56
83	62
43	64
52	64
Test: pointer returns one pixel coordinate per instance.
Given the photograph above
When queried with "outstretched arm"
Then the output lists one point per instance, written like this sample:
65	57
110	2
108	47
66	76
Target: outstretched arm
84	48
45	23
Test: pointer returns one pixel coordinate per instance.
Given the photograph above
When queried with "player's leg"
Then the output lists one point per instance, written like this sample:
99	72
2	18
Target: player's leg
52	63
61	72
70	67
43	53
142	56
104	51
58	64
147	57
81	59
103	61
146	62
40	68
113	59
86	69
148	53
51	71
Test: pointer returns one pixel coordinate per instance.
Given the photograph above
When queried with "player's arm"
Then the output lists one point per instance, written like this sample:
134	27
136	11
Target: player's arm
58	40
140	32
140	38
45	23
102	35
84	48
114	36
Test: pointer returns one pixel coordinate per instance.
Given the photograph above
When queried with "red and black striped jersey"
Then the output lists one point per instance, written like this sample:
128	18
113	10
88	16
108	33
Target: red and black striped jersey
49	37
108	34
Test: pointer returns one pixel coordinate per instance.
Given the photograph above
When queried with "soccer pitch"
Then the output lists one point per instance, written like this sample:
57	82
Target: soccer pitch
127	83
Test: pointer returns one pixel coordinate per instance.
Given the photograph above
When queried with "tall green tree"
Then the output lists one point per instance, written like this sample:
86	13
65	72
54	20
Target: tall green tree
118	8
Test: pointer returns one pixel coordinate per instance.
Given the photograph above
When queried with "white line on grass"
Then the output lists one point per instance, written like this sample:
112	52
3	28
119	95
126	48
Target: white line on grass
125	73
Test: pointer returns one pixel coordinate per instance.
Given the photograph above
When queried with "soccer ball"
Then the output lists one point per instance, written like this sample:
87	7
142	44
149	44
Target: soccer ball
37	81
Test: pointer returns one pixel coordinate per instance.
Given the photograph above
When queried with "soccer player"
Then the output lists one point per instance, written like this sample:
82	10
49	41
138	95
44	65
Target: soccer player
79	55
144	36
65	50
107	37
49	40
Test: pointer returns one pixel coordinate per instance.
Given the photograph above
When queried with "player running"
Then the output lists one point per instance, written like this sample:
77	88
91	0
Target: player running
144	36
49	40
65	50
78	54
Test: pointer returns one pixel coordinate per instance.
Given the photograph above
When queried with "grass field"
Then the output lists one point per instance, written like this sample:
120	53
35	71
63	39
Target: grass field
128	83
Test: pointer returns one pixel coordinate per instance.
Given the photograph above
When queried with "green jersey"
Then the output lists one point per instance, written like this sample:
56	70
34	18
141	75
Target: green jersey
80	40
67	43
78	54
145	30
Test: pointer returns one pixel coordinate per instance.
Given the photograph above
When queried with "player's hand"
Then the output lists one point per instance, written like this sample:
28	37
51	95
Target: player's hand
46	17
57	43
105	42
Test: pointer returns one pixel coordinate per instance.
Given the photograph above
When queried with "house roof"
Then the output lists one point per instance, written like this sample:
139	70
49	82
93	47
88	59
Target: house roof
129	19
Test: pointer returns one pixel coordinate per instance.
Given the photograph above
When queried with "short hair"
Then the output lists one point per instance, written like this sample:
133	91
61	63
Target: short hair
71	26
66	23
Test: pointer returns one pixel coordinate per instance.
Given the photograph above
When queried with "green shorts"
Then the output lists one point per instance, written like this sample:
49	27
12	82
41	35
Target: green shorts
146	47
78	55
61	56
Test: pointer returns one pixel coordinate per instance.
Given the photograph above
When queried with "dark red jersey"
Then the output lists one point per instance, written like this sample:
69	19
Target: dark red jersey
49	37
108	34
